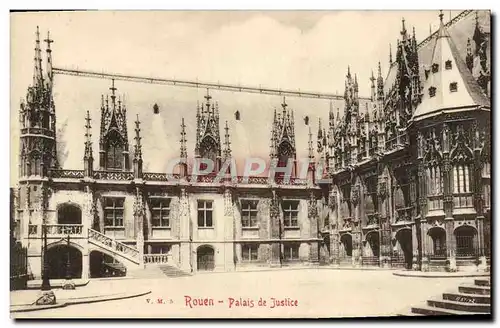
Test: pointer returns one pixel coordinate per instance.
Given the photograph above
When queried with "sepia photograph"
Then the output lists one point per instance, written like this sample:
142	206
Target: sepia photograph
250	164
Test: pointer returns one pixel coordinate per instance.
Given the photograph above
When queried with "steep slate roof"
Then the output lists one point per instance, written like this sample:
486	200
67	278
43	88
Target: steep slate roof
459	32
451	68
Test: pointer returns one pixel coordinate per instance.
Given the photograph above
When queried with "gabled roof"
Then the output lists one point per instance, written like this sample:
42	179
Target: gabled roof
448	84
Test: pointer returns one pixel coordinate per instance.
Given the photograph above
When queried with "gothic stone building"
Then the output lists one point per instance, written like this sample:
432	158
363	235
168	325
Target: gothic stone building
406	181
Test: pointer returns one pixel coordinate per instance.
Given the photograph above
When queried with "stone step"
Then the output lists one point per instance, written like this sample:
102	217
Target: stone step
430	310
459	306
171	271
473	289
467	298
482	282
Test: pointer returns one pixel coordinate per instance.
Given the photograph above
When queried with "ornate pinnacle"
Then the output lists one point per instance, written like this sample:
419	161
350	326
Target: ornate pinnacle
390	54
183	140
49	56
441	16
284	104
227	143
88	137
113	89
138	146
311	150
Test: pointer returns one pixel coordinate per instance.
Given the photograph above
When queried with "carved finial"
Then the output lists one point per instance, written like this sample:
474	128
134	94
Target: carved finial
441	16
284	104
403	30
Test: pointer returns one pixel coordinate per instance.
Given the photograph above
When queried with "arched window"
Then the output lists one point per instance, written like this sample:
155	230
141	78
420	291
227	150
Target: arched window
434	180
114	152
209	151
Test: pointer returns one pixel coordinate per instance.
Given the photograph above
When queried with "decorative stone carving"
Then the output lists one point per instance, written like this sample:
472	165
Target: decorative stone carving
184	203
382	189
274	209
446	138
355	194
312	210
332	199
228	202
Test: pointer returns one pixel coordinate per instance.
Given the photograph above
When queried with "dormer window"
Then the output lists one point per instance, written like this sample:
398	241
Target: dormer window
237	115
432	91
447	64
156	109
435	68
453	87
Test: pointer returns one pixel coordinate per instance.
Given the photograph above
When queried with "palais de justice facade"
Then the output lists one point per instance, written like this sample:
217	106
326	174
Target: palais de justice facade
408	177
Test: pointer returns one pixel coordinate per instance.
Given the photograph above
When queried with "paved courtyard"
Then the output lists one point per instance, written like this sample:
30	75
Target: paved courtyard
287	293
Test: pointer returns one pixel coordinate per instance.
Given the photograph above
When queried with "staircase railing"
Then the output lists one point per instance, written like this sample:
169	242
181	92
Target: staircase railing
155	258
118	247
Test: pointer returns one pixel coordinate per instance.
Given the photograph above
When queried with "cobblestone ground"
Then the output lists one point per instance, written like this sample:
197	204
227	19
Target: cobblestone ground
304	293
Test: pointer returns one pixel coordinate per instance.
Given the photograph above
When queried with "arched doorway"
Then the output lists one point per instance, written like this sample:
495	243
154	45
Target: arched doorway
373	243
404	247
371	248
103	265
205	258
345	253
64	259
69	214
438	237
465	237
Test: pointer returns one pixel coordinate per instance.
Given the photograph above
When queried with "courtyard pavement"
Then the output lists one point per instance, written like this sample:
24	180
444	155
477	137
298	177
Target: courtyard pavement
299	293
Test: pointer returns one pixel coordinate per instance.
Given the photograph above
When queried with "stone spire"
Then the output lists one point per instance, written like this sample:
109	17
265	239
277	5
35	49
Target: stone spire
227	143
49	60
88	157
137	150
183	140
37	74
390	54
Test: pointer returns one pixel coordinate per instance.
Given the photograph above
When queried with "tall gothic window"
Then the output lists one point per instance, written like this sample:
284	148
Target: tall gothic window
114	152
462	185
434	181
285	153
209	151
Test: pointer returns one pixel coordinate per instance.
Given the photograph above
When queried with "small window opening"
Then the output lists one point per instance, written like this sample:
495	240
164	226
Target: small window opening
453	86
306	120
237	115
435	68
447	64
432	91
156	109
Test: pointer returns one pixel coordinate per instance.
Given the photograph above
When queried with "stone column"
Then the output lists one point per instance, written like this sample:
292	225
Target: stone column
275	217
334	227
139	213
425	245
228	229
356	226
312	212
186	233
448	210
385	226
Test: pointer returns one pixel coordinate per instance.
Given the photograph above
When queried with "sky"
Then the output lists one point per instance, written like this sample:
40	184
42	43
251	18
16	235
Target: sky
306	50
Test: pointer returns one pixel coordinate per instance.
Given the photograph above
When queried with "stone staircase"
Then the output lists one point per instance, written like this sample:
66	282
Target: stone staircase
128	254
158	271
470	299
